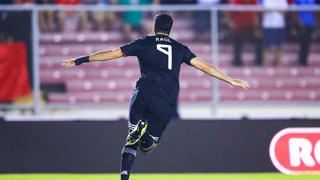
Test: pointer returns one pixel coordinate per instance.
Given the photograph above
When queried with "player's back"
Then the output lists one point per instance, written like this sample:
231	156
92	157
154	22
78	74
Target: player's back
160	59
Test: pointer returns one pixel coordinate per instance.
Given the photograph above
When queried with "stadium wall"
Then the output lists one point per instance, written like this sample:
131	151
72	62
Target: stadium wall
95	146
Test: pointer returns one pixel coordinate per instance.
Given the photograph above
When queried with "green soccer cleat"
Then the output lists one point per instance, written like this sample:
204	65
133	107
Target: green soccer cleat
137	133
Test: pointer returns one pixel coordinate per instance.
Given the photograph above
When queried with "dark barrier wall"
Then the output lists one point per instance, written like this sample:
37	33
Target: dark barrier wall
94	147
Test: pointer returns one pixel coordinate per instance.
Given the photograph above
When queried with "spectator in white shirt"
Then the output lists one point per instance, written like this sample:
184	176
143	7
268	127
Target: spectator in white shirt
273	23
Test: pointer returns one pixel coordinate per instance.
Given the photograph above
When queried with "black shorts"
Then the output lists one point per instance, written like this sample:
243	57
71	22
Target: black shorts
152	108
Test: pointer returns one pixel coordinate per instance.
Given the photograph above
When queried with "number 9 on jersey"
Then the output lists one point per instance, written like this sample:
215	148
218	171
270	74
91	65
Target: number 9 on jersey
166	49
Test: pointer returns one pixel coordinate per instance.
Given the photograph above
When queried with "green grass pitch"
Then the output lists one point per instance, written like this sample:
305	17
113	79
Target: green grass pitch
230	176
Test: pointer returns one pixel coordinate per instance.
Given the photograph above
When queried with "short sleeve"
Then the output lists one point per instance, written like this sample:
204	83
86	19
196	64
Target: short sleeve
132	49
187	55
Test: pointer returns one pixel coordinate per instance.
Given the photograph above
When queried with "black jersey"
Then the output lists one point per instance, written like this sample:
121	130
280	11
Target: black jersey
160	58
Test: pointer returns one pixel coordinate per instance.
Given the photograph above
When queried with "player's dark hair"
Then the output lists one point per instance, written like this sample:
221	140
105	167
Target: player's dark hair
163	23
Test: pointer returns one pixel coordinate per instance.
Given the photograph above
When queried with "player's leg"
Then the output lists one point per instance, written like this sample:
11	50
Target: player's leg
238	41
158	115
128	155
148	143
129	151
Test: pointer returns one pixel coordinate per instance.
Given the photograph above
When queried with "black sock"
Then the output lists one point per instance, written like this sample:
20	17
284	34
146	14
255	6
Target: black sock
128	157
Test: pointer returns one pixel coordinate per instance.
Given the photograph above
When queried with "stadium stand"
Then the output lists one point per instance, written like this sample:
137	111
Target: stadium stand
112	82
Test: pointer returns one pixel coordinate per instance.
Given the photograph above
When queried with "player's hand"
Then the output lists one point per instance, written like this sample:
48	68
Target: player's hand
68	63
241	83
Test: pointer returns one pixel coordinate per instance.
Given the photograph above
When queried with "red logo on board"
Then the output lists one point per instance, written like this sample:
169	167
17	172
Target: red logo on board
296	150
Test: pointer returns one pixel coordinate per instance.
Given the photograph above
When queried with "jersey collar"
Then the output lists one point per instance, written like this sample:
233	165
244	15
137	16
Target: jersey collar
162	34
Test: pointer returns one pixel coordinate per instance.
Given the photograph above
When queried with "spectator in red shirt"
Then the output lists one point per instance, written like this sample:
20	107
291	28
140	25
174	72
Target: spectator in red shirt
68	2
245	27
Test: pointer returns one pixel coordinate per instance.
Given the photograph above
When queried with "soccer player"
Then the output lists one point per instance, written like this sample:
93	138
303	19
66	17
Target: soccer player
160	58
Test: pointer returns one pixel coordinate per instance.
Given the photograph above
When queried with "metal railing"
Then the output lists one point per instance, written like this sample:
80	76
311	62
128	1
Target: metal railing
214	9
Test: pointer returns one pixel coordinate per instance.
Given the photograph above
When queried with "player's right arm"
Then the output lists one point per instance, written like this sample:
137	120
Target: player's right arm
217	73
131	49
104	55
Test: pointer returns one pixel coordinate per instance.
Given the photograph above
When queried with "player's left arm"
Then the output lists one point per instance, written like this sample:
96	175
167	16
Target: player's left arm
104	55
217	73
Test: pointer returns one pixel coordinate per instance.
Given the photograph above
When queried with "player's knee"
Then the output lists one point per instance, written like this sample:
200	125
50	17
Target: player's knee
148	150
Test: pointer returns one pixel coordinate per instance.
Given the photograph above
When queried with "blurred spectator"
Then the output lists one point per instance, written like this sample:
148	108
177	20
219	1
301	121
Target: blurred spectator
47	19
6	2
178	1
202	20
91	2
133	19
22	1
72	20
307	23
290	32
273	23
245	27
4	27
68	2
101	20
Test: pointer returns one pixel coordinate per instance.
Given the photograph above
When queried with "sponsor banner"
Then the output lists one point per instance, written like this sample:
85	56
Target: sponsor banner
296	150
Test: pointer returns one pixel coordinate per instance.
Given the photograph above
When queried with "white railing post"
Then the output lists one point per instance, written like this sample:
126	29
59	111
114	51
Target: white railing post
36	63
